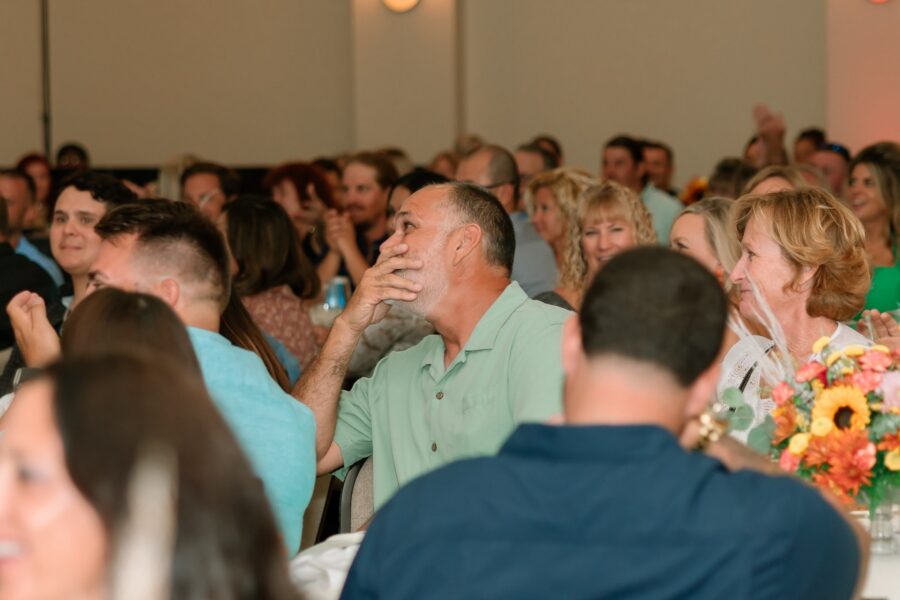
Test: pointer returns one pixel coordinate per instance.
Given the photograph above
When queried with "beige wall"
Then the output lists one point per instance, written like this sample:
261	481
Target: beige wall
863	82
405	67
684	72
20	79
260	82
240	82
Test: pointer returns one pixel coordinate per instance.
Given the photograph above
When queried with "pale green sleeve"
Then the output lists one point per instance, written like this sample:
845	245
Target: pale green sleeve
353	431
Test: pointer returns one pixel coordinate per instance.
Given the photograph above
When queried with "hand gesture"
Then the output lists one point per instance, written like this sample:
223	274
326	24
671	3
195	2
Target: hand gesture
380	284
769	125
339	232
880	327
35	336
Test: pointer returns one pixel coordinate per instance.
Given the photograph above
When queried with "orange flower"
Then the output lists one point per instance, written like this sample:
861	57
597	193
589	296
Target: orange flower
874	360
810	370
785	417
890	442
782	393
849	456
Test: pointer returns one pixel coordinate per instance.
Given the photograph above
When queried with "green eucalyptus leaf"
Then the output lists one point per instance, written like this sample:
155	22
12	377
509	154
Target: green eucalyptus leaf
760	437
741	418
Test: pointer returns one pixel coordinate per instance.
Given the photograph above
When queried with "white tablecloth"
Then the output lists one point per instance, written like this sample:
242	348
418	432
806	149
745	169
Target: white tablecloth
883	580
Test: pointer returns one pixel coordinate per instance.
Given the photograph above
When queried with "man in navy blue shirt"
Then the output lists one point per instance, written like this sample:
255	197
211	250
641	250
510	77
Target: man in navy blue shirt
610	505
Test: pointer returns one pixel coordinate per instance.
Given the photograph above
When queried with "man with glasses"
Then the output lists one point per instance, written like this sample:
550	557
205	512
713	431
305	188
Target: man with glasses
494	168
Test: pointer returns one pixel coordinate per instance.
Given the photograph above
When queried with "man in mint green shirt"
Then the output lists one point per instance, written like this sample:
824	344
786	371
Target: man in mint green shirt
494	363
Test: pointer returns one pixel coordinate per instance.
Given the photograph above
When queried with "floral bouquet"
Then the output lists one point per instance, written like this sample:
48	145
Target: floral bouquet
837	423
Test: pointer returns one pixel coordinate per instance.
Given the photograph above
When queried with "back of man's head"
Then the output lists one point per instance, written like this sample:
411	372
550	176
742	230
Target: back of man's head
550	161
106	189
175	235
655	306
502	168
474	204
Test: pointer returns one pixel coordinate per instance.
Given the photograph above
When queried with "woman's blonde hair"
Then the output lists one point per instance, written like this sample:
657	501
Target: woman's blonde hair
814	230
620	201
790	174
716	214
566	184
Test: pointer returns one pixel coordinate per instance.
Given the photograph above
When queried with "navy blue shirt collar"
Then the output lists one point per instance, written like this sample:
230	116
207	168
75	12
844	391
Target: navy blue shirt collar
590	442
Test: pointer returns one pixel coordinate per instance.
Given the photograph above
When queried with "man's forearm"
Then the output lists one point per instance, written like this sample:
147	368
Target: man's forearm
320	386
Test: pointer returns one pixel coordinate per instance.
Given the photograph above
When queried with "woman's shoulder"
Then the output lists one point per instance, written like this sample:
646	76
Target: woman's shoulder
845	336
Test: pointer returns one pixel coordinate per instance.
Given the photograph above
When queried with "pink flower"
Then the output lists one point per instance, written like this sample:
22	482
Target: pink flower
866	381
810	371
874	360
864	458
789	461
782	393
890	389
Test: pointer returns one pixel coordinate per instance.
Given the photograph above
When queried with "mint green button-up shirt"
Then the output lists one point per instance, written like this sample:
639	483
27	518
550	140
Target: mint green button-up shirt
413	415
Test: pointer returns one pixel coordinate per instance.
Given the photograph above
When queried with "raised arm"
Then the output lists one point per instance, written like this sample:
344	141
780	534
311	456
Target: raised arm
320	386
35	336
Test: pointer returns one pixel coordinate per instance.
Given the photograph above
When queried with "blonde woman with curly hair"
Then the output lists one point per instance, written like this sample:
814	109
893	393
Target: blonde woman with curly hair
552	198
613	219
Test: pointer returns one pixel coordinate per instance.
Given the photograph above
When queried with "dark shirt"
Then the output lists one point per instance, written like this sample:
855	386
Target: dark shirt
370	251
553	299
18	274
603	512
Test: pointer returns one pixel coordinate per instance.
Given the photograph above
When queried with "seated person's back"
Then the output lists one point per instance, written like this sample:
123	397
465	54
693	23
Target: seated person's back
610	505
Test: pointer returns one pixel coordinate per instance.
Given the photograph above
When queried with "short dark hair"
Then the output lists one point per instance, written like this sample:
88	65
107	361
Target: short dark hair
550	160
474	204
812	134
681	330
502	167
729	177
327	165
634	146
73	148
836	148
160	224
22	176
229	180
418	178
111	410
655	145
385	171
103	188
545	138
266	247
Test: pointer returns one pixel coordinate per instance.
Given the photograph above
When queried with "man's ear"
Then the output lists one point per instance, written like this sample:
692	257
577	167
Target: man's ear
465	240
168	290
572	351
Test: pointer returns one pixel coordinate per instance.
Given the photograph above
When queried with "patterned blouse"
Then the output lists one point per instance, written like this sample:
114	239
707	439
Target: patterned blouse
281	314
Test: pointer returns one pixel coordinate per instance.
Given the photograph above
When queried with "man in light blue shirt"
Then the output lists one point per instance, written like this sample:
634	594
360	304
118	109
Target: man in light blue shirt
623	162
494	168
168	249
17	188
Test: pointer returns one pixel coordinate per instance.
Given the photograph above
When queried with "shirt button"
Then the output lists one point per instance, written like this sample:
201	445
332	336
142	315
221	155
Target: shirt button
434	446
439	395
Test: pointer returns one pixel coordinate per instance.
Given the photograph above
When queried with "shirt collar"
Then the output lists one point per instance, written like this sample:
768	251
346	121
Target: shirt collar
485	333
590	442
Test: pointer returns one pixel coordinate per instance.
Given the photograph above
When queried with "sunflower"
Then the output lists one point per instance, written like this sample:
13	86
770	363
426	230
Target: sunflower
845	406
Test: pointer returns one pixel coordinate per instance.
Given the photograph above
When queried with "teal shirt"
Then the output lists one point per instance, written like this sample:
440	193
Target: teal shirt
413	415
663	210
276	431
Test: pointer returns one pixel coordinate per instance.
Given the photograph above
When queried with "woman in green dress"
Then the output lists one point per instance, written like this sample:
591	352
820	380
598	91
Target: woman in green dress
873	195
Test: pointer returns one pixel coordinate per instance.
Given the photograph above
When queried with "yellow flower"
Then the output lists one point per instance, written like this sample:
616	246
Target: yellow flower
880	348
854	350
821	427
832	358
820	344
817	387
844	406
802	421
892	460
798	443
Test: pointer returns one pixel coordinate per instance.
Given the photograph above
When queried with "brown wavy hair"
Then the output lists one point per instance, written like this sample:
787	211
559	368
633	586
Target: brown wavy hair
815	230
